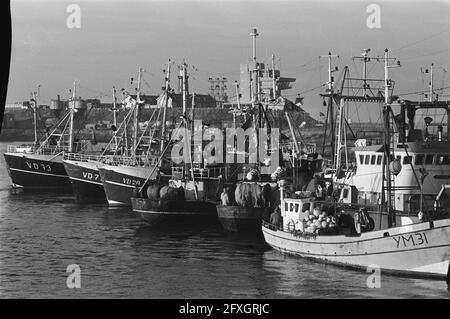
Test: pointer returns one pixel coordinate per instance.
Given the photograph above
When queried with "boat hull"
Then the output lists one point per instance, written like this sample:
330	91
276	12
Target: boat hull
240	219
121	182
419	250
175	212
86	183
37	172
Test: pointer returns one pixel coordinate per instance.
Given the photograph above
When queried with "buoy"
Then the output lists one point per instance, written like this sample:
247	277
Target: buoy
316	212
252	174
395	166
420	215
279	172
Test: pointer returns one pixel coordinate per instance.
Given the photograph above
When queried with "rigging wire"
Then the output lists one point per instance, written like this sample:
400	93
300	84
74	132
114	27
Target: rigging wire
421	40
427	54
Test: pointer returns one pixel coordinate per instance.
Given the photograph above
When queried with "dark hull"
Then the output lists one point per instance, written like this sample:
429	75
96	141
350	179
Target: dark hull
37	174
177	212
86	183
118	187
240	219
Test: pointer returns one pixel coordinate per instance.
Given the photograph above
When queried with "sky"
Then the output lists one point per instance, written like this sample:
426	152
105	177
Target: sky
115	38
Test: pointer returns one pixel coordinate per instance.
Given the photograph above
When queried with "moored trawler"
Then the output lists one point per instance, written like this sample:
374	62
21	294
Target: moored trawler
121	181
36	171
175	212
41	167
125	162
417	153
338	230
414	248
297	159
85	178
188	197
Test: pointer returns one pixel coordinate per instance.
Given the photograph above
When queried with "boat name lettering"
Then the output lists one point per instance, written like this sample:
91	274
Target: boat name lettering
39	167
129	181
415	239
91	176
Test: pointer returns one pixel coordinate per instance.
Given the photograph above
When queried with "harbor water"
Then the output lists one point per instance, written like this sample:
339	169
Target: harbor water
120	257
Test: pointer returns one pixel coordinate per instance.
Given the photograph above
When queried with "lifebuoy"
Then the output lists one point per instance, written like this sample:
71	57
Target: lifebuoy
291	225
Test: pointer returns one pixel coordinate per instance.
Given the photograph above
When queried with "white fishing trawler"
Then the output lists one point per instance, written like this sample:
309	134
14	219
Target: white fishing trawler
422	156
411	240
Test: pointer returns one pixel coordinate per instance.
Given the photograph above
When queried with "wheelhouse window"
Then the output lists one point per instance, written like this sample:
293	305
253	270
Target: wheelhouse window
379	159
443	160
419	159
361	159
429	159
367	160
407	159
345	194
373	159
306	206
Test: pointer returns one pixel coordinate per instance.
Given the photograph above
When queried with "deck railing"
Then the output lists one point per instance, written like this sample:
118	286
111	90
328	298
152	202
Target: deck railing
24	148
31	148
199	173
142	160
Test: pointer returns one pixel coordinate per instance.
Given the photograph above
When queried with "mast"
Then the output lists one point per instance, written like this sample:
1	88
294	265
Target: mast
256	86
236	84
330	105
273	78
365	60
35	109
114	115
341	135
192	111
72	111
136	114
163	131
255	97
190	148
431	97
184	88
387	176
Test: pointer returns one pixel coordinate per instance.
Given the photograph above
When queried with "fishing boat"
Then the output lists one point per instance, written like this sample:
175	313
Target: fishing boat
191	193
264	107
194	203
82	169
414	248
84	177
422	156
414	243
42	168
126	172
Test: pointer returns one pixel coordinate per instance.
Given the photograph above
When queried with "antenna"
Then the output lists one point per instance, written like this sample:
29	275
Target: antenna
330	71
365	58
